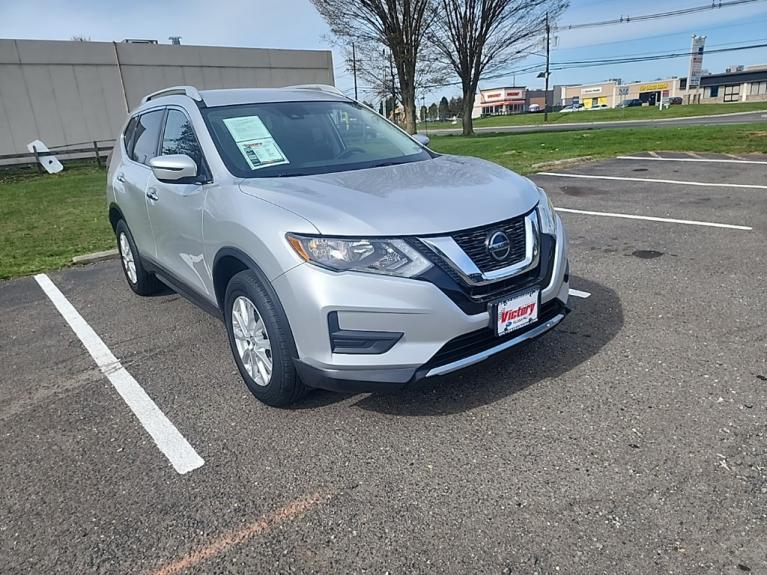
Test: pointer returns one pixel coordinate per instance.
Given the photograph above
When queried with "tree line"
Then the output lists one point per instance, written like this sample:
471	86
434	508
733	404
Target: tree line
402	47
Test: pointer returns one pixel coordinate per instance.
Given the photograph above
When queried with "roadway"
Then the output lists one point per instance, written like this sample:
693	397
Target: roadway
735	118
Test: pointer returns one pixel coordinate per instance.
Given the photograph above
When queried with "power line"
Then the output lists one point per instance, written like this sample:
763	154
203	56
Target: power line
626	60
644	17
574	64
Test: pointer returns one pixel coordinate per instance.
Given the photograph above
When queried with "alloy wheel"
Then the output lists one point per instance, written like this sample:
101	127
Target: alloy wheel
129	263
252	340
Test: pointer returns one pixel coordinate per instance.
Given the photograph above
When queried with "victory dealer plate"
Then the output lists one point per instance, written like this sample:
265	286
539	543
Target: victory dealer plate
516	312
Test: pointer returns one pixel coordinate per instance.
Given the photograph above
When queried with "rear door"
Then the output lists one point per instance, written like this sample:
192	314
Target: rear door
175	208
131	178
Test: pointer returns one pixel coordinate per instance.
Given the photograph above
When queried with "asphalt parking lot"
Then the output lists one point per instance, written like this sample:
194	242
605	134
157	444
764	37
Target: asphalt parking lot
631	439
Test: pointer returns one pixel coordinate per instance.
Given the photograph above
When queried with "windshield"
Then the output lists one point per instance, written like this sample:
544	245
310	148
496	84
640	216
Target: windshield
280	139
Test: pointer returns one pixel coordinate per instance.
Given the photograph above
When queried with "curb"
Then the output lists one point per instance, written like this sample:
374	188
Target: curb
95	257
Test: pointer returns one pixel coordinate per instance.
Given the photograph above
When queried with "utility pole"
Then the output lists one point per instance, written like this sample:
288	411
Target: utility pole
393	89
546	89
383	86
354	70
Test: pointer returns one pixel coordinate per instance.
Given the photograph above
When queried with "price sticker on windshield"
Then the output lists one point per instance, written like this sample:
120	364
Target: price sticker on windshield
255	142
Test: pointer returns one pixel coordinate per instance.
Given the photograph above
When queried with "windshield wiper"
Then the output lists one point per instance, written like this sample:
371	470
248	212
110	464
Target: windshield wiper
384	164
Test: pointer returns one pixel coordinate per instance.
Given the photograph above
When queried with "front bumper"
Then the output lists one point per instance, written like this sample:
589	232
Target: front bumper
437	333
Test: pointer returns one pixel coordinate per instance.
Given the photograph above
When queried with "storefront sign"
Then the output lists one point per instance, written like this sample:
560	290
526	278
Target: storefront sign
654	87
696	61
594	90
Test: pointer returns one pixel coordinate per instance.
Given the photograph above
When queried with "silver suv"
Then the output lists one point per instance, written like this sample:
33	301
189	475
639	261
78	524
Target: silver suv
340	252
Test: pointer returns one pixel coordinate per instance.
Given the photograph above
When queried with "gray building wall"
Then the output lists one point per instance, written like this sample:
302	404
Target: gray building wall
66	93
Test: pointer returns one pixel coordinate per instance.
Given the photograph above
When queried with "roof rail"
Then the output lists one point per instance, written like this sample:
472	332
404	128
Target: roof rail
189	91
317	88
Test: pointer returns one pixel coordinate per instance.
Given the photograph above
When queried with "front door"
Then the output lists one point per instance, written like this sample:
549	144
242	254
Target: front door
175	208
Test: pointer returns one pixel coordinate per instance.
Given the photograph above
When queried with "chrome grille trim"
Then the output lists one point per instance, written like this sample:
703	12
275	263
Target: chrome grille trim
447	248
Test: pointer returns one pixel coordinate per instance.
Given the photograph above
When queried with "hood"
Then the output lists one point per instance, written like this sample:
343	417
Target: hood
435	196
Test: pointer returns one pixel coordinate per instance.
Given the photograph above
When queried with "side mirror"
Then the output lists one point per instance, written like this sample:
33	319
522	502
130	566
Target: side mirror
173	168
421	139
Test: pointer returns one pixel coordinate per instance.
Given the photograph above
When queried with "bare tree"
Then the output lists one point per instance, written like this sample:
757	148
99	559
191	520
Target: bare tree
380	80
476	37
79	38
399	25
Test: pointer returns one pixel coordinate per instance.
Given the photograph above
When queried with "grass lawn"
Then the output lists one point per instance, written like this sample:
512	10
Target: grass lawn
521	152
606	115
46	220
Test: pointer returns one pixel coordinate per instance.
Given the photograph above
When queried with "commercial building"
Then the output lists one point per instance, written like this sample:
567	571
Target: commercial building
739	84
612	92
499	101
68	93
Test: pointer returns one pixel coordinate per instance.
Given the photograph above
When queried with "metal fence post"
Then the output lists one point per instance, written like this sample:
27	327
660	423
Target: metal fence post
96	149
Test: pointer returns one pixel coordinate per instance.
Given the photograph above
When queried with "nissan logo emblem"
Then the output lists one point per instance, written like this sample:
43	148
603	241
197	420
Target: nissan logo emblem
498	245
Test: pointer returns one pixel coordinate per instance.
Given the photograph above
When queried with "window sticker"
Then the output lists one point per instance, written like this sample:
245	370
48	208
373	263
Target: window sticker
255	142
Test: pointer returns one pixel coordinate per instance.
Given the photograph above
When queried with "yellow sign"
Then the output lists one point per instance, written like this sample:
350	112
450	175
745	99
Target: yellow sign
655	87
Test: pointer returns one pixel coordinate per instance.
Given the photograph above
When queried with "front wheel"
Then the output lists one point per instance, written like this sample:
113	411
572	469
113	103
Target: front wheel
261	341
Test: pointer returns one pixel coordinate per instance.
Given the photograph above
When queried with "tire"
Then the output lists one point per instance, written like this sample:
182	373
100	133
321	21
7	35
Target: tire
248	302
139	280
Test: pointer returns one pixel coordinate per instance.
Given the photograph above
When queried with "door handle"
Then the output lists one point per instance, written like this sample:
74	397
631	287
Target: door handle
121	177
151	193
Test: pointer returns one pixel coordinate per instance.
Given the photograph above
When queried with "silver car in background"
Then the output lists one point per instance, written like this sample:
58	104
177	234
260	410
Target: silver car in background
340	252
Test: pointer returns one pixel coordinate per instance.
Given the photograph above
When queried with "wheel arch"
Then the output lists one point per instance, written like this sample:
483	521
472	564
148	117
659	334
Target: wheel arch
230	261
115	215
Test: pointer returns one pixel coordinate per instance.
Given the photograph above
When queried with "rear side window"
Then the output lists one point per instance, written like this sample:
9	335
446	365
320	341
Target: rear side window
145	136
179	137
130	131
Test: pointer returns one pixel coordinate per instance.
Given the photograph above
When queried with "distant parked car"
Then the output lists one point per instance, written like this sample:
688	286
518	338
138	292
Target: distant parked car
534	108
572	108
599	107
675	101
636	102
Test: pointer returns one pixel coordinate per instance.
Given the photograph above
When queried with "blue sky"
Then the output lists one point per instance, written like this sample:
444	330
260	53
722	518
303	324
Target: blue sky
295	24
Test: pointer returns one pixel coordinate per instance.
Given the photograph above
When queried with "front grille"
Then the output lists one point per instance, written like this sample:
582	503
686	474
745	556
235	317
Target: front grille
481	294
474	243
478	341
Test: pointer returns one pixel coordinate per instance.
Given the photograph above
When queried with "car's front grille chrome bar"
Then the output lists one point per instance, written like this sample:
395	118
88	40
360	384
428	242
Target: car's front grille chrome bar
447	248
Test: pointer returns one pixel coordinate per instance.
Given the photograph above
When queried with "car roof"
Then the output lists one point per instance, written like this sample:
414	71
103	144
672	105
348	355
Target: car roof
229	97
234	96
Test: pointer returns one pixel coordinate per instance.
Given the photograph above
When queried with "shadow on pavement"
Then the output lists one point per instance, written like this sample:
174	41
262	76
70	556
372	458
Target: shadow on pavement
593	323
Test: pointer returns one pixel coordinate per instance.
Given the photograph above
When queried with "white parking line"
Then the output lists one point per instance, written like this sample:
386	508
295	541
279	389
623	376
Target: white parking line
173	445
654	219
713	160
579	293
683	182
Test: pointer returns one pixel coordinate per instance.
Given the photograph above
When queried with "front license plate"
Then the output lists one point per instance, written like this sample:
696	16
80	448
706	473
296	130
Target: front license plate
516	312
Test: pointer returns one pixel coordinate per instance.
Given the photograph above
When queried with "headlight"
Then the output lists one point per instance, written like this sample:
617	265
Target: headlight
377	256
546	214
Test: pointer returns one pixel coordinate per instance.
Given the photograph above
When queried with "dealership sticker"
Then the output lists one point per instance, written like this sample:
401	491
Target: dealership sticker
255	142
247	128
517	312
262	153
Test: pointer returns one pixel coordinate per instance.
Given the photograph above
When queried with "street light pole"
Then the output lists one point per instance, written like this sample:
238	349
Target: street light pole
546	89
